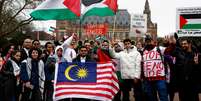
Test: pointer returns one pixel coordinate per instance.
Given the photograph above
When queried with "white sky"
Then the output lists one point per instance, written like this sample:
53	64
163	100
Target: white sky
163	12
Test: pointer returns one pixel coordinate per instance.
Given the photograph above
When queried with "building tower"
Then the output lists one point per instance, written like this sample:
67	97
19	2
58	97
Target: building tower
151	27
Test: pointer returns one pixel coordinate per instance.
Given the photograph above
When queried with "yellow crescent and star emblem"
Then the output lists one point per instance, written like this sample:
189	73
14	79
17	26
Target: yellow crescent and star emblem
81	72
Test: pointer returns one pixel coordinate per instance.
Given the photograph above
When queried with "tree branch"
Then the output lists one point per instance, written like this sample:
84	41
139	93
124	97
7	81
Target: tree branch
1	6
22	23
1	10
11	15
17	13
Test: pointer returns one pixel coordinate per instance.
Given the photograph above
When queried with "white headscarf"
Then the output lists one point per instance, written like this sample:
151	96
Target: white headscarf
58	47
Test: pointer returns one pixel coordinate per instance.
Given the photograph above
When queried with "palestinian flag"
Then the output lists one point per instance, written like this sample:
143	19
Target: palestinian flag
52	29
100	7
190	21
57	10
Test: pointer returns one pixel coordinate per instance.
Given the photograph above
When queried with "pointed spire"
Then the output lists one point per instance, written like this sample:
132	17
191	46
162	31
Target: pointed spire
146	8
147	4
148	12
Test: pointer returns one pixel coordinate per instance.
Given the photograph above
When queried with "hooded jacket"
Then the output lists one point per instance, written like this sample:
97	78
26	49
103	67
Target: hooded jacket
69	53
62	59
130	63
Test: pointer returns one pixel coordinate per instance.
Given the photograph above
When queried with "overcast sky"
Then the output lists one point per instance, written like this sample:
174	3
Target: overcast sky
163	12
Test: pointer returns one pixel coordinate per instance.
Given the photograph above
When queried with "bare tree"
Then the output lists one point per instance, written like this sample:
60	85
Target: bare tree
12	15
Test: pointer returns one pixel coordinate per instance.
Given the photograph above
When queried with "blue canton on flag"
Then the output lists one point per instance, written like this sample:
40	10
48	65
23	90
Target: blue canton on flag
77	72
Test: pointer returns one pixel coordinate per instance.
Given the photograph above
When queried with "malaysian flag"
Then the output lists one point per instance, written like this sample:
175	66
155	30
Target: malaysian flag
86	80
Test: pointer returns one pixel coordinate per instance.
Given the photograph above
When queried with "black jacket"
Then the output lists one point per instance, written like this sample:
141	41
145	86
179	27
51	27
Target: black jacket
187	70
24	55
7	72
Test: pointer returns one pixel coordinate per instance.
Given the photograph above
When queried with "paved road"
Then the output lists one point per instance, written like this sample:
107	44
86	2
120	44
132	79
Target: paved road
175	99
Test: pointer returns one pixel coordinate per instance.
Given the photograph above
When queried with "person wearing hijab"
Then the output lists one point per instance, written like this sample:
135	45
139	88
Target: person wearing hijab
11	73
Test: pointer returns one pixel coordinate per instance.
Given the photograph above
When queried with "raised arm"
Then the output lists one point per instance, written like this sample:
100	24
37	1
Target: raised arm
67	42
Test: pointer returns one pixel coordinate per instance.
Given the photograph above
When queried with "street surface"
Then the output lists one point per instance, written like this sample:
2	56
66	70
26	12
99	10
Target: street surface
175	99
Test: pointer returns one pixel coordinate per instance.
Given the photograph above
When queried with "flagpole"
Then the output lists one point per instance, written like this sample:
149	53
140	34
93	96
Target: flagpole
80	29
114	25
38	35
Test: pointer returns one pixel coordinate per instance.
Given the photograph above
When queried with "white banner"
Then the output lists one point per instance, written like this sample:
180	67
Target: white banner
138	25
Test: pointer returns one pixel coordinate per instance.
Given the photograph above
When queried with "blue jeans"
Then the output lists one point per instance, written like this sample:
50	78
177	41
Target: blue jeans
151	88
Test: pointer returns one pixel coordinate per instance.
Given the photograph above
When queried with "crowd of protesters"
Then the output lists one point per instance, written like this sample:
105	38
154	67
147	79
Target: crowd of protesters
155	72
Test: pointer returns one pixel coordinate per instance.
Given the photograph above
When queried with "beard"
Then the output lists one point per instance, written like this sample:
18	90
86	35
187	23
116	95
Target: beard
184	48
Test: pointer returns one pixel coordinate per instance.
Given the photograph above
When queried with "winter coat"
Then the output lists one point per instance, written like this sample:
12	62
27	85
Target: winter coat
26	72
130	63
187	70
69	53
